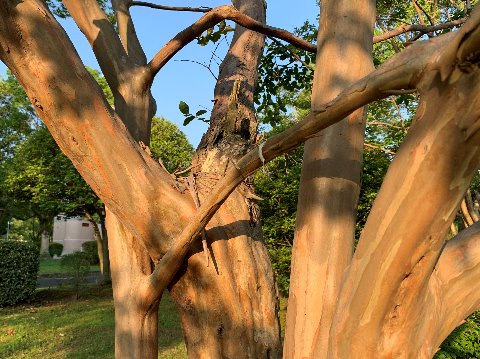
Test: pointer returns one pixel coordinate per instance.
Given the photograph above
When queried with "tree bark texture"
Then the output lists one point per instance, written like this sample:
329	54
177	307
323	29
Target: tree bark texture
330	181
394	296
121	172
242	322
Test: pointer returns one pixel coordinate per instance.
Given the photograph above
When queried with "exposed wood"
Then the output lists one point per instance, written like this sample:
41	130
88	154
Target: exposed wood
219	326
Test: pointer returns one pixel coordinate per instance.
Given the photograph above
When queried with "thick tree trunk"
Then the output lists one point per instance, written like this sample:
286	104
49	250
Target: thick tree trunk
242	322
330	182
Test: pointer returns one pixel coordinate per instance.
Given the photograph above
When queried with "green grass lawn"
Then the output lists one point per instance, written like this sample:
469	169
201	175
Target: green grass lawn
55	325
50	266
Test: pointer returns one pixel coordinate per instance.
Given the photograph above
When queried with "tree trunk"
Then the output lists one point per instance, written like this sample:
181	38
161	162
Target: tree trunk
330	182
105	265
243	321
100	235
44	243
136	319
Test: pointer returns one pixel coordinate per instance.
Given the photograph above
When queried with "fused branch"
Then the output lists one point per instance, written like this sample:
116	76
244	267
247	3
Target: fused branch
209	20
127	33
101	35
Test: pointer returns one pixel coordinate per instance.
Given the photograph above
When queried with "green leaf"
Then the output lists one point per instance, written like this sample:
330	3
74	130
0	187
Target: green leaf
188	119
184	108
201	112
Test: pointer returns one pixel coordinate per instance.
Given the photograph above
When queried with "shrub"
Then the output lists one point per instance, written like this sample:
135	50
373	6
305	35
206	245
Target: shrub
55	249
463	342
19	262
77	267
90	249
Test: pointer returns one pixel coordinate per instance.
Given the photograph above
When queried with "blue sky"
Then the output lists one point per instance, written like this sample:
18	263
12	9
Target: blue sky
180	79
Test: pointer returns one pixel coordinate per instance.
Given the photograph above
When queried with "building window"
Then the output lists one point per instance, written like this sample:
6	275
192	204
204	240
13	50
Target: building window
85	224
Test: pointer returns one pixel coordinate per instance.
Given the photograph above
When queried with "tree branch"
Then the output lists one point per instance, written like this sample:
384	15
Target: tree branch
170	8
421	28
455	280
72	105
209	20
379	148
127	33
101	35
122	64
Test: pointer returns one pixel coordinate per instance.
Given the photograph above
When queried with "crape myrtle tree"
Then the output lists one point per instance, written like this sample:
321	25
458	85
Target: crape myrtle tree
404	288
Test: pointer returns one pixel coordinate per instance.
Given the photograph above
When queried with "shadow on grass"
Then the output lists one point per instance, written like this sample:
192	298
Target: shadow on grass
56	325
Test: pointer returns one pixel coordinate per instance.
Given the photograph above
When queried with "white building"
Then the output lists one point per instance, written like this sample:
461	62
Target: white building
72	232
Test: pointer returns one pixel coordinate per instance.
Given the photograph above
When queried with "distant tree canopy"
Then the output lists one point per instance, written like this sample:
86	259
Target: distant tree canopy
38	180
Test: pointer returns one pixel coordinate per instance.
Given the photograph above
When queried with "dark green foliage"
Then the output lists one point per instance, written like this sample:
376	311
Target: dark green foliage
214	33
55	249
19	263
277	183
185	110
281	74
77	266
90	249
463	342
375	166
170	144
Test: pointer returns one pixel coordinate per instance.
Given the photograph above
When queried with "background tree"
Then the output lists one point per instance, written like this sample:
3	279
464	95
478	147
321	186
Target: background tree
170	145
17	120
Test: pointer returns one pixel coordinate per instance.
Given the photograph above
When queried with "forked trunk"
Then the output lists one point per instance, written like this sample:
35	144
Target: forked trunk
226	303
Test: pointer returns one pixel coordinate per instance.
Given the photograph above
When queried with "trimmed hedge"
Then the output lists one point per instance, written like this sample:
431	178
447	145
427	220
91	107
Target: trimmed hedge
90	248
19	262
55	248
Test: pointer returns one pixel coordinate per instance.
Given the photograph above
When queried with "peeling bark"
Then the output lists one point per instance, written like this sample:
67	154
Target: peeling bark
386	287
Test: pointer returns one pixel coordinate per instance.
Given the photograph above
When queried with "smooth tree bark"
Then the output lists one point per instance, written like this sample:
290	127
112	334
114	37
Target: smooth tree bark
330	181
404	290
